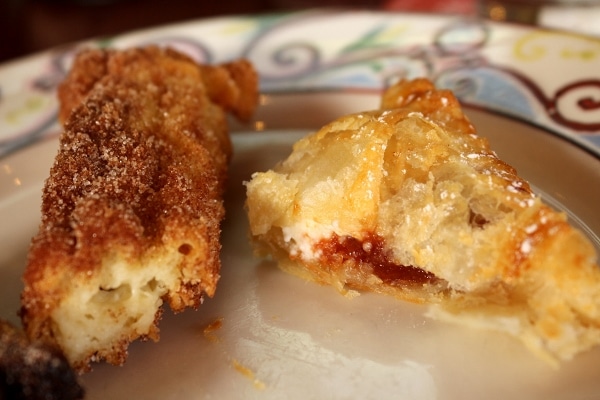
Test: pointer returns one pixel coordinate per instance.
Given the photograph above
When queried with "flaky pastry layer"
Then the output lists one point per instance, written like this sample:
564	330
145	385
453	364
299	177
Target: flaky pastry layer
409	201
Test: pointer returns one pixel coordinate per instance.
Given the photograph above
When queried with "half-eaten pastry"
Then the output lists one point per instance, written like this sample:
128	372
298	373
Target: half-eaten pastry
132	208
409	201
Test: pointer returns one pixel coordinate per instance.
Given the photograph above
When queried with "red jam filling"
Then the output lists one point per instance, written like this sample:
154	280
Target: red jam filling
371	251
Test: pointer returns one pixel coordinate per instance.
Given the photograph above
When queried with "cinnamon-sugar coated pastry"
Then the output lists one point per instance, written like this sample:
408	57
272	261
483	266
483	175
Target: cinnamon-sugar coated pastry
409	201
132	208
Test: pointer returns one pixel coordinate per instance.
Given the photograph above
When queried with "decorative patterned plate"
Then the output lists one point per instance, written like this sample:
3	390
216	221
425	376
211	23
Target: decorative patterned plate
267	335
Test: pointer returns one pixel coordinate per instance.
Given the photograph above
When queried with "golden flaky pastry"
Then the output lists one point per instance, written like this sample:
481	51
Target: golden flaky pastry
407	200
132	208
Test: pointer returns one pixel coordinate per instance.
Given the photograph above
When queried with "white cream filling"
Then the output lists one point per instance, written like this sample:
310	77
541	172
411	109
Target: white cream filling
302	237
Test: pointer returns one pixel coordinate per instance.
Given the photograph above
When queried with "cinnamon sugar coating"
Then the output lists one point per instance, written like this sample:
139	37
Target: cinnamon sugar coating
132	208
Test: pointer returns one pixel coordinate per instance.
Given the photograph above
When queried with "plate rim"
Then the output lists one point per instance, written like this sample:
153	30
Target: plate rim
52	58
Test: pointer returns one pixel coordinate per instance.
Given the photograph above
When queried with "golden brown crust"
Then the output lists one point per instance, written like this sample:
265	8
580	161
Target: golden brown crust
139	176
409	201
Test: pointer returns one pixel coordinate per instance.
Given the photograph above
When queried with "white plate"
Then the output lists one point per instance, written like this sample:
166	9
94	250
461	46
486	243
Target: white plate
281	337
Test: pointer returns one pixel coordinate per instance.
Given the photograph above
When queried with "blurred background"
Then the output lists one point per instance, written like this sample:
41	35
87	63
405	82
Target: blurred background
28	26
